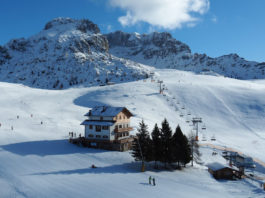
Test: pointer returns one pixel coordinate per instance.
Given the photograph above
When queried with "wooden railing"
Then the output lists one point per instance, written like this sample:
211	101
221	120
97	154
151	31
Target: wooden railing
117	130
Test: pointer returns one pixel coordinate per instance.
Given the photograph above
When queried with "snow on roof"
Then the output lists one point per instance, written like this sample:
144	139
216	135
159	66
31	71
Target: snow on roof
90	122
216	166
105	111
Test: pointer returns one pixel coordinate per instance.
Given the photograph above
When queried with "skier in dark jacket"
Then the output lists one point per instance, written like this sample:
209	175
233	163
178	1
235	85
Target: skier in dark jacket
150	180
154	181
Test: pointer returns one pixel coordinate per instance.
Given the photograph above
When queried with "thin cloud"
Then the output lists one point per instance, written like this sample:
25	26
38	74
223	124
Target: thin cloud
168	14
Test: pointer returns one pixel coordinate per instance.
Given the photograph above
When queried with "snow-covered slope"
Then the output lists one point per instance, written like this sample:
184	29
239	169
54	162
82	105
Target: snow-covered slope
37	161
65	53
163	51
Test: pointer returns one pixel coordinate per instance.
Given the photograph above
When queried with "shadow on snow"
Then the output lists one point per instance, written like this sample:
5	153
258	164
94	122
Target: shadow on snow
118	168
47	147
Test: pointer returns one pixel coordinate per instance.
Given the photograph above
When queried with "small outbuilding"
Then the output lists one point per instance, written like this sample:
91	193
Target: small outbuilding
220	171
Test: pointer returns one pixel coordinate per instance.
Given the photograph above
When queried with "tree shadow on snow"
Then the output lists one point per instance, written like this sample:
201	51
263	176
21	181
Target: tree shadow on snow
47	147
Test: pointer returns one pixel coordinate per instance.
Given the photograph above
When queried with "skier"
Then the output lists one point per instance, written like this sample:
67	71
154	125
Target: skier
154	182
12	128
17	117
41	122
150	179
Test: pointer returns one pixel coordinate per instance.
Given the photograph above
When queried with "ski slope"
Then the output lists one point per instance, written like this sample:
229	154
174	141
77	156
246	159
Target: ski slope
37	161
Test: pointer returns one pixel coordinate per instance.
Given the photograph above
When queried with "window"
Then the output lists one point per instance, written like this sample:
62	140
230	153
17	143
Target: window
120	126
90	126
90	135
98	128
98	136
120	117
101	118
105	136
127	125
105	127
124	117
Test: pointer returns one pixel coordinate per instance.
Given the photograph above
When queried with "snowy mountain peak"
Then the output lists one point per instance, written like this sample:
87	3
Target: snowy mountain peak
83	25
66	53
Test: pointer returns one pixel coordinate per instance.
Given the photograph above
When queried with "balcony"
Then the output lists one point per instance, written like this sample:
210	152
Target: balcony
119	130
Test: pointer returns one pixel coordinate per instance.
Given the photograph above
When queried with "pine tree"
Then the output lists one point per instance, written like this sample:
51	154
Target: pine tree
166	134
180	148
142	143
176	143
186	157
156	144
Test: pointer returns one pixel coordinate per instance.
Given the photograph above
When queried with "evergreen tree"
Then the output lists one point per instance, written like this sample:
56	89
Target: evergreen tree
180	148
142	143
156	145
186	157
176	143
166	134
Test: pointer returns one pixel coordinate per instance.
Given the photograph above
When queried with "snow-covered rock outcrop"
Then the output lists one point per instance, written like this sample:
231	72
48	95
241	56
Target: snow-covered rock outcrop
163	51
65	53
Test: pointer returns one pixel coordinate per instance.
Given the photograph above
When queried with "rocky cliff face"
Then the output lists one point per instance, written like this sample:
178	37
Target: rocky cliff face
163	51
65	53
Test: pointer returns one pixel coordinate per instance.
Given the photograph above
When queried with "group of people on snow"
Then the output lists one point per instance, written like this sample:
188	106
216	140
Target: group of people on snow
152	180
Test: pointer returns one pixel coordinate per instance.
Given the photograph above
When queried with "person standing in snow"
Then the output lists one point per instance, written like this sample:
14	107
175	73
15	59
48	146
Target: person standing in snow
150	180
154	182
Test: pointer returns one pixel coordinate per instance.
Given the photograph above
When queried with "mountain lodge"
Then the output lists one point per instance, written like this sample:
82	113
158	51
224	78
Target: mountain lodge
108	128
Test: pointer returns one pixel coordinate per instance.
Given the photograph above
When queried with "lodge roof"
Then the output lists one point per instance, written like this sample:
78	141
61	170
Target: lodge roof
216	166
107	111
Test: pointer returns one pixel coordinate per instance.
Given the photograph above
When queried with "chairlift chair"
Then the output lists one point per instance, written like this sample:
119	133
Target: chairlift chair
204	127
213	138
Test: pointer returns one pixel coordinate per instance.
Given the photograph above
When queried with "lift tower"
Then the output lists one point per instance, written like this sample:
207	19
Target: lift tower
196	122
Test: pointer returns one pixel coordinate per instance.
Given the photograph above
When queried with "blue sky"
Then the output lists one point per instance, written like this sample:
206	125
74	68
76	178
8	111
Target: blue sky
214	27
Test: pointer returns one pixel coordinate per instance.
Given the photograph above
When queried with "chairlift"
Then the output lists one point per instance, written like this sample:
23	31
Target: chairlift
177	102
204	127
204	138
181	114
189	113
213	138
183	107
174	97
187	120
